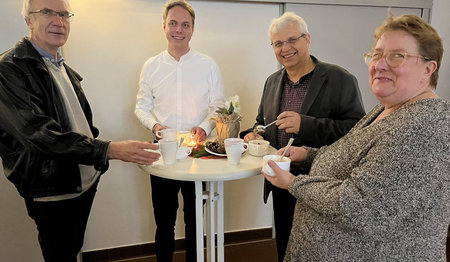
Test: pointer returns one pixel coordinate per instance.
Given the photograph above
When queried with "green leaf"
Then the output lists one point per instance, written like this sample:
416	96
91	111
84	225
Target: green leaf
231	109
221	111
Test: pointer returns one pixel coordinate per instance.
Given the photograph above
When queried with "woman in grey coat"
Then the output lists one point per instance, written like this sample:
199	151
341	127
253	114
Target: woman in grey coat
382	192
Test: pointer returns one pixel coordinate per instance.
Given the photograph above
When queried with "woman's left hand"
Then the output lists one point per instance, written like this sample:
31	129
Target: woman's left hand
281	179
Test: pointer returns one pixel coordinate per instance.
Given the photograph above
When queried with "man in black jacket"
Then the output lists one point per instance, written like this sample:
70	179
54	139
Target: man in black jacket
48	142
313	102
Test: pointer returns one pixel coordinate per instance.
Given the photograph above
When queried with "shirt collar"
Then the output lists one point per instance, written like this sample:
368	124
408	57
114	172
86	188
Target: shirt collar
289	82
182	58
44	54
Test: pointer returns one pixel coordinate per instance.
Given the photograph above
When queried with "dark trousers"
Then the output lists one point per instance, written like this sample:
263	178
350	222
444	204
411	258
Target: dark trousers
61	225
165	205
283	210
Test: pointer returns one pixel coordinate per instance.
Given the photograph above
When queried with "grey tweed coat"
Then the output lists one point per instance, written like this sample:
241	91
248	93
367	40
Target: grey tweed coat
380	193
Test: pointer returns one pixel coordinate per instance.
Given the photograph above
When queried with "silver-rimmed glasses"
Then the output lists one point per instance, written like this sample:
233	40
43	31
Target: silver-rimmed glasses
393	59
291	41
49	13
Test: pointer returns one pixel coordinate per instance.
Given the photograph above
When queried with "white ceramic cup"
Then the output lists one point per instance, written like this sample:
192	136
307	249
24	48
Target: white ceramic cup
168	148
284	163
258	147
183	152
168	133
234	147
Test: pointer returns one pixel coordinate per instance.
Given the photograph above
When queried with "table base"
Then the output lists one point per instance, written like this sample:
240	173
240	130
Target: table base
212	194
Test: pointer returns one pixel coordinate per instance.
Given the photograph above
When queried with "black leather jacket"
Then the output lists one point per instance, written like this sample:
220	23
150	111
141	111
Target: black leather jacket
40	153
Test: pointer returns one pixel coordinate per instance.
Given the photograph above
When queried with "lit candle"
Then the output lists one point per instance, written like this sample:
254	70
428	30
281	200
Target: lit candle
192	143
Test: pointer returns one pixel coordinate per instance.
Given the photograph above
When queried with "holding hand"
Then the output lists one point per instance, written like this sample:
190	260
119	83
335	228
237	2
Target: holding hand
133	151
199	134
157	127
289	121
252	136
295	153
281	179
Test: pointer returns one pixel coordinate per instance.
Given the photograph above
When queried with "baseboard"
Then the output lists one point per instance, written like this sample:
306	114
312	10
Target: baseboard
148	249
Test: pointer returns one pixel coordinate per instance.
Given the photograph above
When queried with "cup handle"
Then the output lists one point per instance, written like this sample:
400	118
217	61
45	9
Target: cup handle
158	134
189	151
245	146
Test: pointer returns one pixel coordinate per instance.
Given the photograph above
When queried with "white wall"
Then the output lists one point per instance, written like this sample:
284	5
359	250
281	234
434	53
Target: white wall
18	236
108	47
440	19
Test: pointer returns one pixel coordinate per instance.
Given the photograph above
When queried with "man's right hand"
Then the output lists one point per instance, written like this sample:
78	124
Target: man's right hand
133	151
157	127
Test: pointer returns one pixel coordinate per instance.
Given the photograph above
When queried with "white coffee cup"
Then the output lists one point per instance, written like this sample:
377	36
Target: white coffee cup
258	147
168	148
234	147
183	152
168	133
284	163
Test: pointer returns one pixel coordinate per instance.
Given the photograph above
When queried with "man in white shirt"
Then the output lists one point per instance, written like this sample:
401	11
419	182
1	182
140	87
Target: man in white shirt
179	88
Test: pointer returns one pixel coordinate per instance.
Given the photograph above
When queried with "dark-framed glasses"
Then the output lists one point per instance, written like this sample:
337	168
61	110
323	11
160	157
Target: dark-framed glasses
291	41
49	13
393	59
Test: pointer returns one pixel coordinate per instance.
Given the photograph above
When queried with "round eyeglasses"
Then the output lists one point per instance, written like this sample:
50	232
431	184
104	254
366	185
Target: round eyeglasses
49	13
393	59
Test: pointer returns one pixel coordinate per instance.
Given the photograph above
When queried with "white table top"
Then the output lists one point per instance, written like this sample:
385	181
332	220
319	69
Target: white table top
197	169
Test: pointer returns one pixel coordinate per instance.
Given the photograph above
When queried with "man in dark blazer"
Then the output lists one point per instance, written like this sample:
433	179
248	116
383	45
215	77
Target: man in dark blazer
313	102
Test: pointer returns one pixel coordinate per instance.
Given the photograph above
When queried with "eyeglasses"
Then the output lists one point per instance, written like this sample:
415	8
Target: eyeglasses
393	59
49	13
291	41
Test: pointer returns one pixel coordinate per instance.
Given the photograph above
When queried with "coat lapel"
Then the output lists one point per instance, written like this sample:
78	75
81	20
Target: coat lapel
273	107
315	86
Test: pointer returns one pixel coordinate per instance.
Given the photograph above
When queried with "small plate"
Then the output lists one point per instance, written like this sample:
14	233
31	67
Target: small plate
214	153
183	151
181	156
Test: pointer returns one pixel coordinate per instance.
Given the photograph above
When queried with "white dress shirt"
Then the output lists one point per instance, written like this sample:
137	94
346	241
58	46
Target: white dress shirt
180	94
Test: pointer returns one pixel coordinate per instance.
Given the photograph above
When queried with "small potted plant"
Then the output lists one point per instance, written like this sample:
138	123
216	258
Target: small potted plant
228	119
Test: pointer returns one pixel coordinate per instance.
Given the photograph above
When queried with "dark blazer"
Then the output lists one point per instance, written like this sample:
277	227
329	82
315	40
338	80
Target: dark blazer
331	107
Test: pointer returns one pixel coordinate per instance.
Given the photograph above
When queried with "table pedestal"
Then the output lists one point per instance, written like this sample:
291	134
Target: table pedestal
213	172
212	194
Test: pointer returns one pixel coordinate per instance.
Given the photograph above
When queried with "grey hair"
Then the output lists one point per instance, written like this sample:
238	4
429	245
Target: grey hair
287	19
26	7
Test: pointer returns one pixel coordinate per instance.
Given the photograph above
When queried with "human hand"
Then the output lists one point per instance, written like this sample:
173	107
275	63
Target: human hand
252	136
157	127
289	121
281	179
295	153
133	151
199	134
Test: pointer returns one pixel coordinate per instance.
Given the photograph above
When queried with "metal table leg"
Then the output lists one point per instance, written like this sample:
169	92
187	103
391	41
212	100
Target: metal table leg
220	237
210	221
199	219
